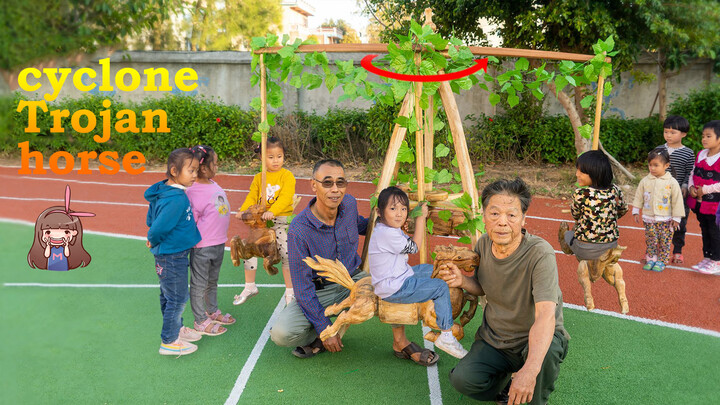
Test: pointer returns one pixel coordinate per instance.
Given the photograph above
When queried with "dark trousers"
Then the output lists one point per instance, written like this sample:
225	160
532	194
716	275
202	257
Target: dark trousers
678	240
485	370
710	236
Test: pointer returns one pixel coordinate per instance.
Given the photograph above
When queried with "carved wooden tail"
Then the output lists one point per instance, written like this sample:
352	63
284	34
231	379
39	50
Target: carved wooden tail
333	270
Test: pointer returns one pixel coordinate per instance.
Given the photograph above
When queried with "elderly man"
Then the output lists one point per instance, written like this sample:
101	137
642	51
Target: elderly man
522	330
328	227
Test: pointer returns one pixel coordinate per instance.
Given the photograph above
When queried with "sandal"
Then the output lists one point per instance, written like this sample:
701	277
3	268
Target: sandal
209	327
304	352
218	317
678	258
425	354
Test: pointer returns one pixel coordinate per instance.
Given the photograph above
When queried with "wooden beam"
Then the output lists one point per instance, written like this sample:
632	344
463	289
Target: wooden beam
429	137
598	113
476	50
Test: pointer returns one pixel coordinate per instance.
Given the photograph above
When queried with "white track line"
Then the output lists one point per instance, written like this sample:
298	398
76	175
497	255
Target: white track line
247	369
637	228
67	285
647	321
432	374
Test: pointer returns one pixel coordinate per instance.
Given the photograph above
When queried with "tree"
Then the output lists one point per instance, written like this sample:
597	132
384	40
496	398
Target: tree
349	34
554	25
218	25
680	32
37	30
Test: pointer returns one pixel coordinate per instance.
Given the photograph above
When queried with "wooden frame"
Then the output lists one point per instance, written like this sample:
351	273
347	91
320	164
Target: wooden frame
424	136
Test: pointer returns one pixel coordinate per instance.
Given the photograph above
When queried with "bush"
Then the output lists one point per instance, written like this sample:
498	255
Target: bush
698	107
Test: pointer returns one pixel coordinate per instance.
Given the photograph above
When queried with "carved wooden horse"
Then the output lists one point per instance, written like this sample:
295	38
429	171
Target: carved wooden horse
608	268
363	304
261	241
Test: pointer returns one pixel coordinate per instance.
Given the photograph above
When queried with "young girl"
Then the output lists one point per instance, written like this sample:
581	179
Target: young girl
212	215
280	191
171	235
661	200
58	243
597	205
394	280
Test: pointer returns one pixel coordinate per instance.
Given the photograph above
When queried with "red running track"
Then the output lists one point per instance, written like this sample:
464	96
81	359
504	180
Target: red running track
678	295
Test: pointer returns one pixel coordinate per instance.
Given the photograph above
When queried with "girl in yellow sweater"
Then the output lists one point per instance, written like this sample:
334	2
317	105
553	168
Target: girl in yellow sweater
280	193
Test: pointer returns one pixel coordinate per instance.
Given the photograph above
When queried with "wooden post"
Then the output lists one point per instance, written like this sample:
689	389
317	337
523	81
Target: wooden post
429	137
598	113
263	141
420	161
388	171
461	150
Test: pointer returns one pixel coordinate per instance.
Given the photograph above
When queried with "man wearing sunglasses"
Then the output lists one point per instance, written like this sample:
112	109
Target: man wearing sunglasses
329	227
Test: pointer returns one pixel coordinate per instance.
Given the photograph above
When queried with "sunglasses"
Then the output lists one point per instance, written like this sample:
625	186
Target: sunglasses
340	183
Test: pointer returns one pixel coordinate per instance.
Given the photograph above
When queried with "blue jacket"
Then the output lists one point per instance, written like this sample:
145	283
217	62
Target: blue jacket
170	218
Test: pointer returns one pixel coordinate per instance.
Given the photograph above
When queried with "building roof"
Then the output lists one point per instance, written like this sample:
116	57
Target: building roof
299	6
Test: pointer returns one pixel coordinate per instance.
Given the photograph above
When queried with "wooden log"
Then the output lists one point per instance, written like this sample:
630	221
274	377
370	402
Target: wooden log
402	314
263	141
429	137
598	113
420	159
461	150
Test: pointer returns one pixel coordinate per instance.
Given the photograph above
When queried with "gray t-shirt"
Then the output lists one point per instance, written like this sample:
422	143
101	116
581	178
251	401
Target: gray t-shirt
512	286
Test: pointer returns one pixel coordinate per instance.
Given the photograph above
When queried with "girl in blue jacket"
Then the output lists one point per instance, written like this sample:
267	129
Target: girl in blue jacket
171	235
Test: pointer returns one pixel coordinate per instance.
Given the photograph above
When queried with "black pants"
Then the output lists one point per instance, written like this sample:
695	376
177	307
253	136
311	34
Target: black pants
710	236
678	240
485	370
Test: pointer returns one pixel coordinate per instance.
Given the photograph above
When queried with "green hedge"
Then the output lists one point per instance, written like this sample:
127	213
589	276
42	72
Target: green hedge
349	134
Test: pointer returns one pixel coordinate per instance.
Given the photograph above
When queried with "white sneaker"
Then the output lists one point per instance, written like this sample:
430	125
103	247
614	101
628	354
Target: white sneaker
711	268
177	348
244	295
451	347
189	335
704	262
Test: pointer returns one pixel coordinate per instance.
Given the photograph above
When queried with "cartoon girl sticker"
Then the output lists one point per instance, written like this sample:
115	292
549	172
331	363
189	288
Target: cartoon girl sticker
57	244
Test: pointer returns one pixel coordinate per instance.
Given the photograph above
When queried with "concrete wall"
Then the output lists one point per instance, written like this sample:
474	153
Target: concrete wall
225	76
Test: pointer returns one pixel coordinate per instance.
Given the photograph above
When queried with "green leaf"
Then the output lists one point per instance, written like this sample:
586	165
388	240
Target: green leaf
606	70
415	28
443	176
538	94
453	52
402	121
350	88
465	240
429	225
586	101
513	100
312	81
455	188
609	44
569	65
255	104
430	88
464	201
438	124
439	60
258	42
517	84
494	99
286	52
607	89
331	82
321	58
522	64
256	137
445	215
464	82
405	153
560	83
586	131
296	81
430	175
570	80
438	41
271	40
441	150
264	127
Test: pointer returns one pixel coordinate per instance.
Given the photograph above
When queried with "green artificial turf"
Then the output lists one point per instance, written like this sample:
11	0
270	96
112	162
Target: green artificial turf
99	345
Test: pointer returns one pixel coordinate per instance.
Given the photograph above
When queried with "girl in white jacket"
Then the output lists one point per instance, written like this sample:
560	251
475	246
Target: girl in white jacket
660	197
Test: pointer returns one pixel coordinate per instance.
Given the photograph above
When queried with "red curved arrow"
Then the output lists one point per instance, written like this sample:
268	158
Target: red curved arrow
366	62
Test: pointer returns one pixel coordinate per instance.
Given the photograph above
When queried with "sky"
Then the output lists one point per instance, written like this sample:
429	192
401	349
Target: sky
347	10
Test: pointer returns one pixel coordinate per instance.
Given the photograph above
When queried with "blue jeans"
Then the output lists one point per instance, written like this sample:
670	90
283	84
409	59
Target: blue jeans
420	288
172	270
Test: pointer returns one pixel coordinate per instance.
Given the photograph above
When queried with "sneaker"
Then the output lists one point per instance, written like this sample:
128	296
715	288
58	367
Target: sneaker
451	347
712	267
189	335
177	348
244	296
649	265
650	259
703	263
658	266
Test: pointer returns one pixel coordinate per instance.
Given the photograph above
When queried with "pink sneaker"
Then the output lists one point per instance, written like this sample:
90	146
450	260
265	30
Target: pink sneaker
711	268
704	262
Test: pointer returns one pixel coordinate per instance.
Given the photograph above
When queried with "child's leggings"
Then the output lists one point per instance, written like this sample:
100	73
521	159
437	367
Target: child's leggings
658	236
710	236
